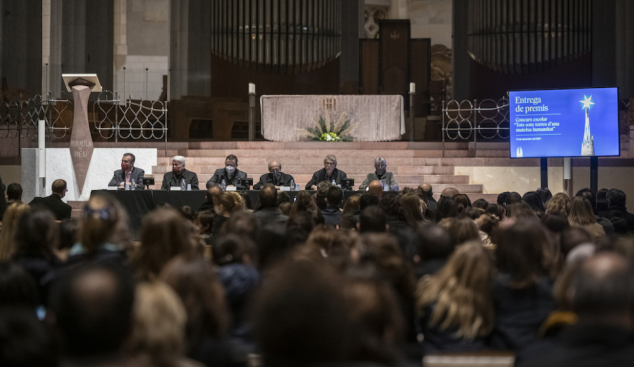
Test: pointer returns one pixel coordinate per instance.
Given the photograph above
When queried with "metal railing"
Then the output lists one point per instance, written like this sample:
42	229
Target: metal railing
134	119
467	120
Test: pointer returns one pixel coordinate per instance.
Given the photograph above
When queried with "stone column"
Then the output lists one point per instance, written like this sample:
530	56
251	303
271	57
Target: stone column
351	31
461	59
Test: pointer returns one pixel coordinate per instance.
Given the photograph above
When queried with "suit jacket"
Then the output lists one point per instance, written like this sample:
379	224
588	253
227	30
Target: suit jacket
54	203
269	214
190	178
388	177
136	175
221	174
268	179
320	176
332	216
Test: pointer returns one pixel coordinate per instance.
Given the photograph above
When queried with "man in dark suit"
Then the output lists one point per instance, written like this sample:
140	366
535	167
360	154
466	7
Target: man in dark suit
332	213
231	174
269	212
328	173
178	174
380	174
54	203
275	177
128	173
616	208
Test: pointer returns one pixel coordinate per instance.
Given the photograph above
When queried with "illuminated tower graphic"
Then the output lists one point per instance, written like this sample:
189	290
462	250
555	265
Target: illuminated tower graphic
587	147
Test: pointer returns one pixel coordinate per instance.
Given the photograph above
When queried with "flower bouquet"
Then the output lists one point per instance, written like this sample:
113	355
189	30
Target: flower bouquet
324	130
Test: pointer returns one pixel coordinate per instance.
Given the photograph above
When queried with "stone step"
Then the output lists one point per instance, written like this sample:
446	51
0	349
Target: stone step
315	145
318	162
493	153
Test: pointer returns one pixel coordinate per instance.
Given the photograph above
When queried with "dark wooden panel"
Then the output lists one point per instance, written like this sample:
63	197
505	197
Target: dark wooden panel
394	38
369	66
420	68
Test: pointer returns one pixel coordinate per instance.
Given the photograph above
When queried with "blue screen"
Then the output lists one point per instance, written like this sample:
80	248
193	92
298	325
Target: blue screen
564	123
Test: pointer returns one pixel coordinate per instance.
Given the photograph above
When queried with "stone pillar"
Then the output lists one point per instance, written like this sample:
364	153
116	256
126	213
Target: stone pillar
461	59
73	36
22	46
604	42
99	36
351	31
179	48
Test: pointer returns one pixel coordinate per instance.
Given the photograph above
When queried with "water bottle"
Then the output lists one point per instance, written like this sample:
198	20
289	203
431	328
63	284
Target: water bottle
292	184
334	183
132	186
127	185
183	185
223	185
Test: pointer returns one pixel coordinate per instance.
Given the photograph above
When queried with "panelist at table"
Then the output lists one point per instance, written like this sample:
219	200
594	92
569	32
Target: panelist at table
128	173
178	174
231	174
275	177
328	173
380	174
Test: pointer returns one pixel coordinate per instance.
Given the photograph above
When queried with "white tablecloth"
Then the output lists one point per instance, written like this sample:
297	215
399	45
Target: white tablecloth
381	117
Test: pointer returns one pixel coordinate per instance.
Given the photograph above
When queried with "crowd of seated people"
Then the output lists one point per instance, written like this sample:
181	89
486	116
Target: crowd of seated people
382	278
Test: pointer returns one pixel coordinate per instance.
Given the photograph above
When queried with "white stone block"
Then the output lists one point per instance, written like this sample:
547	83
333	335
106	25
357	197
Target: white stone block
59	166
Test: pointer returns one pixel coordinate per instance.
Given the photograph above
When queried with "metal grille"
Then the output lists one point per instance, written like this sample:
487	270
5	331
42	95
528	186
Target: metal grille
525	36
133	120
487	119
277	36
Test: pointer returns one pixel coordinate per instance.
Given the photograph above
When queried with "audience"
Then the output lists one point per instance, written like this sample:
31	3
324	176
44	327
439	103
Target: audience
9	226
455	312
601	292
372	284
269	211
332	213
582	215
522	291
14	193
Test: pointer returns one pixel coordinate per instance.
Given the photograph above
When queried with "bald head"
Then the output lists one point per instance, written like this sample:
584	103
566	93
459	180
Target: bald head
602	289
212	192
426	188
449	192
274	166
376	188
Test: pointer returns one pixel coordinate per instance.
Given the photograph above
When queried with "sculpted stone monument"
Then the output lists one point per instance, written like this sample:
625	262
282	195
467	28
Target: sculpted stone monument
81	146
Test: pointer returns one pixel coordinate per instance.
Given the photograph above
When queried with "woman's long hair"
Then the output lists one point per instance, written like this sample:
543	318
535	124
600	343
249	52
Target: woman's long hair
10	221
460	292
303	201
164	235
581	212
411	207
104	220
560	203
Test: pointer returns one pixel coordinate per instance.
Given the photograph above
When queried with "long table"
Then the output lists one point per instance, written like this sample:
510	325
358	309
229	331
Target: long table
138	203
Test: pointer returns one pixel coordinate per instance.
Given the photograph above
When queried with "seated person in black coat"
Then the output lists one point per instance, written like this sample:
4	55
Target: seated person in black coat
332	214
54	203
178	174
275	177
601	293
328	173
269	212
3	200
231	174
127	173
380	174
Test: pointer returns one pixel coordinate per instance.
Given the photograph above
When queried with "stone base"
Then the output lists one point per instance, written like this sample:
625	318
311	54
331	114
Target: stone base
59	165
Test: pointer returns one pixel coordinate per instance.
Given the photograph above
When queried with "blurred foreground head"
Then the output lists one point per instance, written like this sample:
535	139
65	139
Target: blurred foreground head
93	310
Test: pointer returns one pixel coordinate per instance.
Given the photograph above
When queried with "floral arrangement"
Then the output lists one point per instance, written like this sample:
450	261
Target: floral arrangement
324	130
